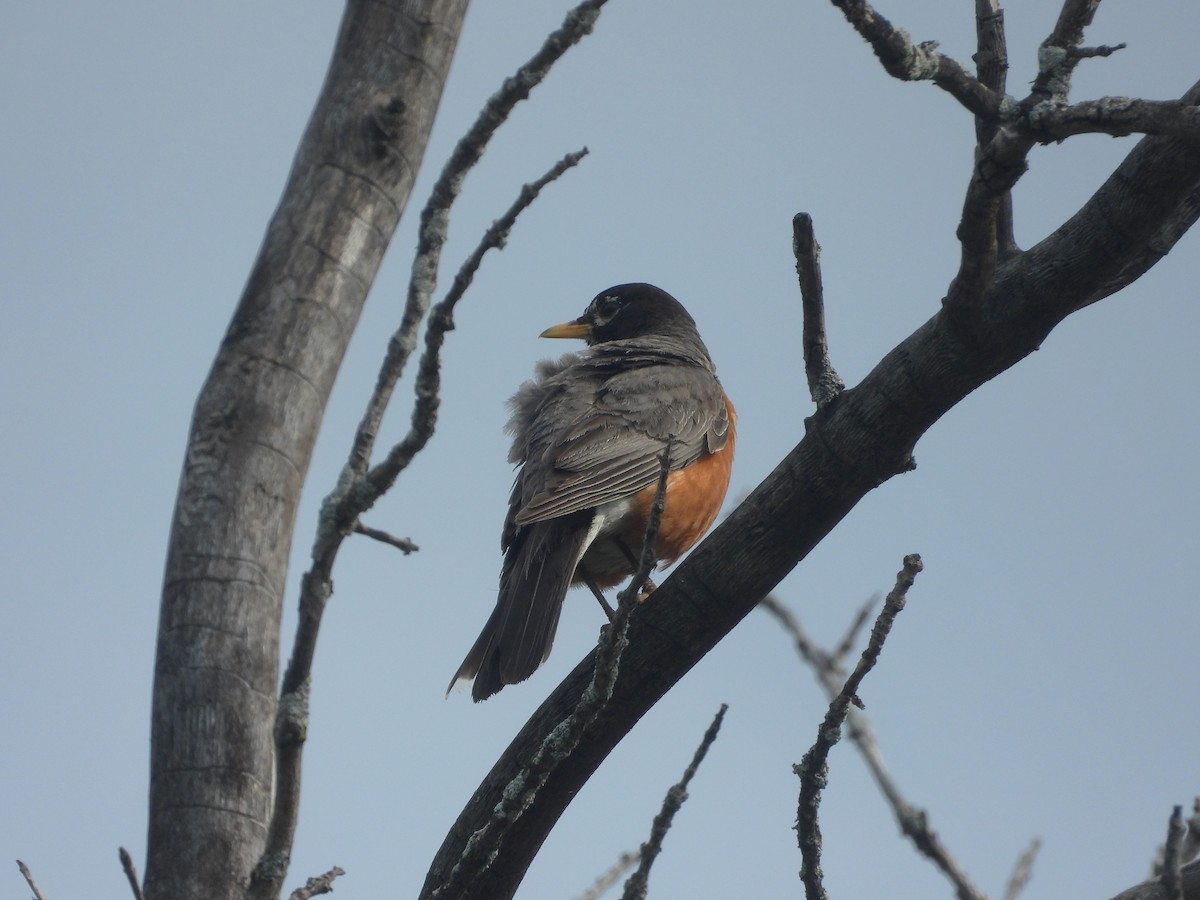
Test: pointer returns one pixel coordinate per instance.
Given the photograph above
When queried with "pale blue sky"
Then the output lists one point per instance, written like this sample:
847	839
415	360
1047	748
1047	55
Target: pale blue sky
1038	683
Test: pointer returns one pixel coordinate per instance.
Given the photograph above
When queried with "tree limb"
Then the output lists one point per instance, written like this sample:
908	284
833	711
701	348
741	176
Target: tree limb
913	821
1171	878
316	586
321	884
1022	871
1156	890
609	878
823	382
28	876
435	215
850	447
130	871
813	769
638	883
404	545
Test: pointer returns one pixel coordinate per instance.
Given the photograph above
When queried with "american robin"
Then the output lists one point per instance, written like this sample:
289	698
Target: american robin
589	432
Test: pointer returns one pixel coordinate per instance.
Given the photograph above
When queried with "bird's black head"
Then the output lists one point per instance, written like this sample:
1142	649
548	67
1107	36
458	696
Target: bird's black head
628	311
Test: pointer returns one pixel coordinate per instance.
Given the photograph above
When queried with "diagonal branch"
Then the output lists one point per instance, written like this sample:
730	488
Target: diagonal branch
316	586
441	320
849	448
908	61
525	785
131	875
28	876
1023	871
813	769
913	821
436	213
638	884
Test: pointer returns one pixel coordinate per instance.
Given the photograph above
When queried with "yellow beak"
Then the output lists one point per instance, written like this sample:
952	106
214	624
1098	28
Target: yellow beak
575	329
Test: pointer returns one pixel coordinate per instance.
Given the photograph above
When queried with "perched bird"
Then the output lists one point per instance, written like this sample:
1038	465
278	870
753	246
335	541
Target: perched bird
589	431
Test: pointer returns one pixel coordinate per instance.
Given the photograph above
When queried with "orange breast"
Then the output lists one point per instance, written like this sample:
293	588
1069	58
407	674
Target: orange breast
694	497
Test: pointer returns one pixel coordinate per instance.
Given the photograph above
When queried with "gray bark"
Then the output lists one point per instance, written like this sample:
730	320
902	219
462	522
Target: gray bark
253	430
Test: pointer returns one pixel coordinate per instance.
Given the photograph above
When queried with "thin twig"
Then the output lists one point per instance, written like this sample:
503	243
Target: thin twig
823	382
37	893
846	645
613	638
316	586
991	66
1058	54
1171	878
435	215
913	821
908	61
405	545
649	555
624	863
130	871
638	883
322	884
441	320
1022	871
813	769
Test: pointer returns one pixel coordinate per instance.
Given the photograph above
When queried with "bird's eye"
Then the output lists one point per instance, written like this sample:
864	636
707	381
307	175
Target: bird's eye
607	308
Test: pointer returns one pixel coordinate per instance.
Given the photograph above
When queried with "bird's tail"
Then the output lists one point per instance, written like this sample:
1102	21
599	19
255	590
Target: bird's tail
537	571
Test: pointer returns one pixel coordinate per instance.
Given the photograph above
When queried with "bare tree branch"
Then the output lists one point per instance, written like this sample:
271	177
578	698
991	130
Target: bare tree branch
1114	116
441	320
845	646
823	382
37	893
1022	871
638	883
1190	848
358	488
130	871
435	216
913	821
991	62
908	61
813	769
316	586
1176	831
1058	55
849	448
648	558
321	884
405	545
609	878
1154	889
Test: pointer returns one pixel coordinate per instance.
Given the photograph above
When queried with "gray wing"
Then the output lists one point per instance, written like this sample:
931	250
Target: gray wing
598	429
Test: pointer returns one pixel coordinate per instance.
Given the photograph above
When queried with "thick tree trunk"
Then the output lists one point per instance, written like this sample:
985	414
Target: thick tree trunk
253	431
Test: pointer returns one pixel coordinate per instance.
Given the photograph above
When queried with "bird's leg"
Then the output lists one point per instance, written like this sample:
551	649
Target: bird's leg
648	586
596	592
